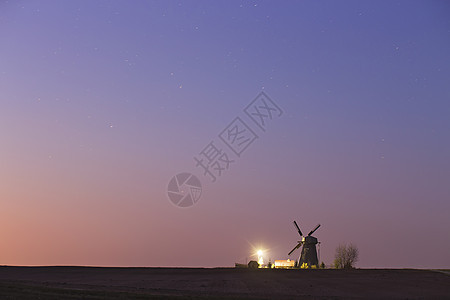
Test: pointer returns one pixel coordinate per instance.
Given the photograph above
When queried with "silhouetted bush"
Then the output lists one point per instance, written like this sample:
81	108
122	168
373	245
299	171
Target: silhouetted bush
346	256
253	264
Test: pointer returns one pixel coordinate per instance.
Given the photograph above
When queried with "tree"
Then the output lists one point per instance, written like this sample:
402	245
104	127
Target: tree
346	256
253	264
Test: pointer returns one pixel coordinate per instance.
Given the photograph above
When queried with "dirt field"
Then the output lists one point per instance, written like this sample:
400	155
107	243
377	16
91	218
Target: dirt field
220	283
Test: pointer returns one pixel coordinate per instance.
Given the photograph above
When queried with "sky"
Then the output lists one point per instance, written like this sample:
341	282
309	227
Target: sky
102	103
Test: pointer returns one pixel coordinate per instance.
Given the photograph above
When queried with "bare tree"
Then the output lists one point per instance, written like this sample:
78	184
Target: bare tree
346	256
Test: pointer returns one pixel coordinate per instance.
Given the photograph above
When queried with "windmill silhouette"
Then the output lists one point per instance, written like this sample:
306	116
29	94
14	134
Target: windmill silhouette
309	253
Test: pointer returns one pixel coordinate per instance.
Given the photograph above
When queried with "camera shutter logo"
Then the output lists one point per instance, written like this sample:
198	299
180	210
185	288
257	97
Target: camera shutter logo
184	189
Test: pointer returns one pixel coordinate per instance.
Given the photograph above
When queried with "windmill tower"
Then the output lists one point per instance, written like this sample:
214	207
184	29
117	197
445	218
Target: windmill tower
309	252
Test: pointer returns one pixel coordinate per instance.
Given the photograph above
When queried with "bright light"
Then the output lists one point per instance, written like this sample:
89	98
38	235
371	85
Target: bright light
260	258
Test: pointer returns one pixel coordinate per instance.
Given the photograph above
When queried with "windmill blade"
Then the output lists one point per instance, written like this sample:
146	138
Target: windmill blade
312	231
295	248
298	228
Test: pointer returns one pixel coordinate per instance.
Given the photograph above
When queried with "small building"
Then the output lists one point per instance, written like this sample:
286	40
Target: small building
284	264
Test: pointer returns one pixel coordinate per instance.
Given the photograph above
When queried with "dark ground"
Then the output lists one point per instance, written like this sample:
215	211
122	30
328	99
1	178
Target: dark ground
219	283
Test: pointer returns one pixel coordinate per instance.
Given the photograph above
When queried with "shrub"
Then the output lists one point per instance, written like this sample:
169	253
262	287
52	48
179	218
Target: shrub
346	256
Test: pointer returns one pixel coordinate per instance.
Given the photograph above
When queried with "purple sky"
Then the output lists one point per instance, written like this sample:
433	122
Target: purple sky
102	102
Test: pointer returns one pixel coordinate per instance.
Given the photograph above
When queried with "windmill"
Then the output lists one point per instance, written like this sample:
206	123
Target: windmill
309	253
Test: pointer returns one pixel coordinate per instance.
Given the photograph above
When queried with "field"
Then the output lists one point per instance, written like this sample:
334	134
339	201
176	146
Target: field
220	283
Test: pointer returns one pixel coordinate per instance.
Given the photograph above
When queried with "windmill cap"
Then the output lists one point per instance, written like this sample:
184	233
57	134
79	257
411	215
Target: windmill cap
310	239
